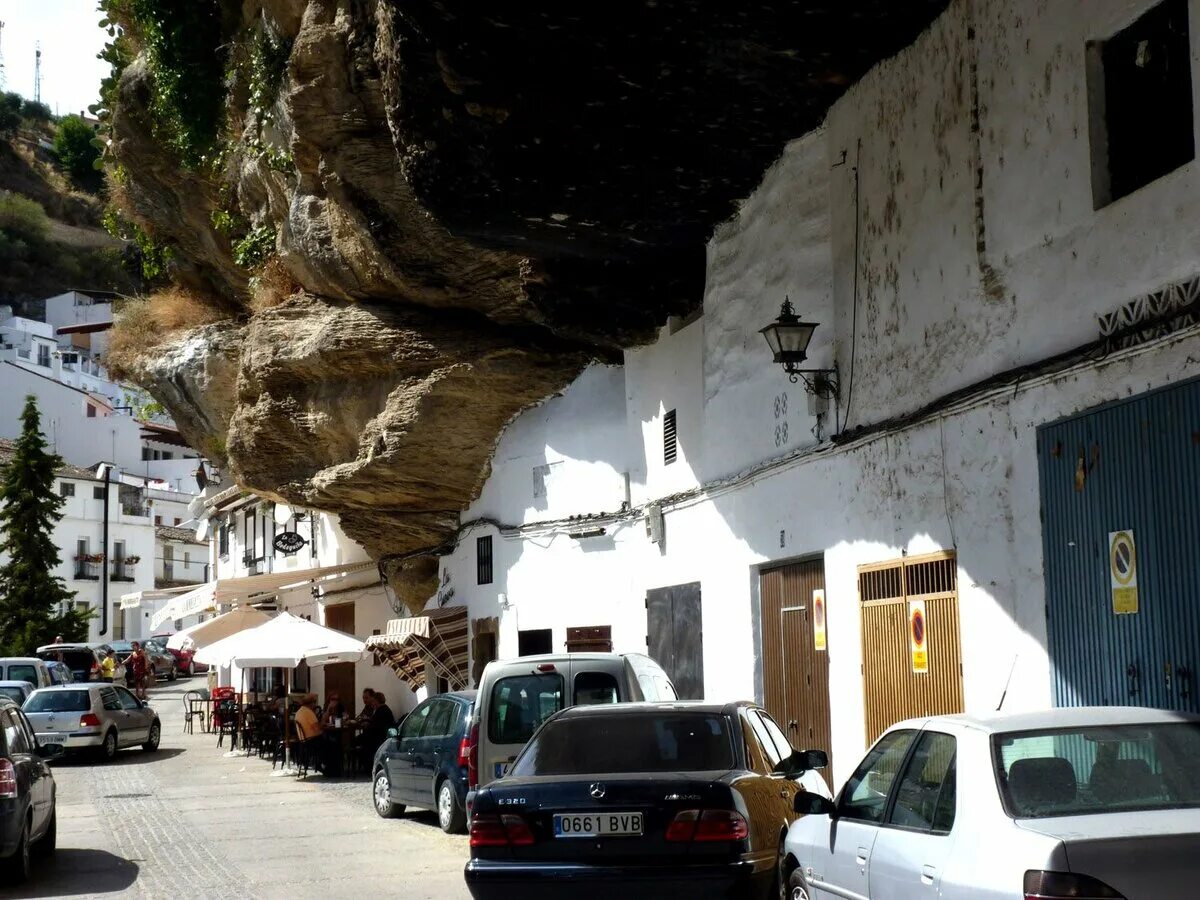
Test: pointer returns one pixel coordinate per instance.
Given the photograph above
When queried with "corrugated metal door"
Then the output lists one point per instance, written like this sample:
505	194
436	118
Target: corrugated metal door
675	636
892	690
1131	466
795	673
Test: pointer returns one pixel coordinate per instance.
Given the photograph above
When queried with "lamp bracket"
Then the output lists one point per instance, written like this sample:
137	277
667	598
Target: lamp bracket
818	382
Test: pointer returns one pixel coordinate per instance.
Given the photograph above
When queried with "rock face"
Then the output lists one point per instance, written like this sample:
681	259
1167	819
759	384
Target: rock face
474	203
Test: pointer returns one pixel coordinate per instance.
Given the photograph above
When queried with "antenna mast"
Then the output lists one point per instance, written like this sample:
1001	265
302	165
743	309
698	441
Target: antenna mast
37	72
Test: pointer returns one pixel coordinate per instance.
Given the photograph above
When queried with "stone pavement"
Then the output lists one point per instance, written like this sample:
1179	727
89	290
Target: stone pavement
190	822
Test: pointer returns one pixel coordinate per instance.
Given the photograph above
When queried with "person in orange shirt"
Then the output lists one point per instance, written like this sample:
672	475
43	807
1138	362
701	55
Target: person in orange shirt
306	718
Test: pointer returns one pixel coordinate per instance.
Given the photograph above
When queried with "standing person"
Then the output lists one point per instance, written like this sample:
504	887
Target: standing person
108	667
137	666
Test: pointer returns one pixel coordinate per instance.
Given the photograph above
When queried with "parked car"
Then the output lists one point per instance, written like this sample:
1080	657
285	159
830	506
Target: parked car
424	762
1100	802
28	795
162	661
16	691
82	659
100	717
25	668
645	799
185	662
517	695
59	673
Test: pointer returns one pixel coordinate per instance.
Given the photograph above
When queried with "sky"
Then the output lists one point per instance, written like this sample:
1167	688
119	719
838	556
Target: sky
70	36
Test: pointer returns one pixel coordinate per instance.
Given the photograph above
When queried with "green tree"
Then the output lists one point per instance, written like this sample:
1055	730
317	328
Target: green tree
30	593
74	147
10	114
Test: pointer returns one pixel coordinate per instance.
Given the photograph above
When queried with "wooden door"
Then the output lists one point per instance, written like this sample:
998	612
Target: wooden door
894	686
675	636
795	663
340	676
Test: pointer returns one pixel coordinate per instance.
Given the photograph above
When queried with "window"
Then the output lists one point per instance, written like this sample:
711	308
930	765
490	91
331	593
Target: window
483	560
66	489
590	639
595	689
1082	771
108	697
43	355
669	435
14	734
24	672
97	492
128	701
415	721
158	520
223	539
678	742
146	454
118	551
520	704
187	559
178	521
782	744
866	793
535	641
1140	102
926	796
58	701
440	719
91	411
167	454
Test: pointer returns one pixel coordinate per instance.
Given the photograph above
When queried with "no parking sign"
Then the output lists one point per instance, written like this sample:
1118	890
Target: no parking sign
1122	564
918	636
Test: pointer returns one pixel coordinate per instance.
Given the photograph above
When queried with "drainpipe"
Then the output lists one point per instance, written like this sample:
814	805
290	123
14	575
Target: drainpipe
107	469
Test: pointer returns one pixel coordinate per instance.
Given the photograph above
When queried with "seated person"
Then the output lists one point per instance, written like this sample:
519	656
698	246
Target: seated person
306	718
382	718
377	719
334	709
368	699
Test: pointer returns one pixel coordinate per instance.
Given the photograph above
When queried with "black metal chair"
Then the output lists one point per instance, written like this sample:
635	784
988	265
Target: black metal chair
229	713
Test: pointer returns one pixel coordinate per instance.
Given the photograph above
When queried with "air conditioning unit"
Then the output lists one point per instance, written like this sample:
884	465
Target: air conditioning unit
654	523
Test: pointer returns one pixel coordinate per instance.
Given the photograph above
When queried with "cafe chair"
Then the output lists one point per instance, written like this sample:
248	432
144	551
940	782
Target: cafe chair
193	709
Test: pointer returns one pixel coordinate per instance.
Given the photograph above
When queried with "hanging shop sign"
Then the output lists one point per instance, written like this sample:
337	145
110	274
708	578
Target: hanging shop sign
1122	565
289	542
818	619
918	636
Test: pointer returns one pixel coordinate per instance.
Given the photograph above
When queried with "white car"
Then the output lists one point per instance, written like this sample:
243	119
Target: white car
1095	802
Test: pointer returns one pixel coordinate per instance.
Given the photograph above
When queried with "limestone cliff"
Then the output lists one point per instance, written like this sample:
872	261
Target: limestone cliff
467	203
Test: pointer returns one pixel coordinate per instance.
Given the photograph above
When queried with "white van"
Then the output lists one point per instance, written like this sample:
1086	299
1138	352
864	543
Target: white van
26	668
517	695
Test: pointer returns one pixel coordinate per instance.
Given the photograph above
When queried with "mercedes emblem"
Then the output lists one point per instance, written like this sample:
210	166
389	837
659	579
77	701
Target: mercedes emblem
596	789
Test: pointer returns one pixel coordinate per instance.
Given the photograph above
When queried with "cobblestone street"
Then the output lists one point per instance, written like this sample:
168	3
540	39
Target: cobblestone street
189	821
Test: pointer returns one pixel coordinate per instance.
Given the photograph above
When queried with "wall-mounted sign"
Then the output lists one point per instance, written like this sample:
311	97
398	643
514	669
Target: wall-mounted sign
918	636
818	619
289	542
1122	565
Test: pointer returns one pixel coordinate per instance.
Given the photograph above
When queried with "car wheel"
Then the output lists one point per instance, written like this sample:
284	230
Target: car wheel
154	737
450	814
381	794
108	750
49	842
797	888
15	869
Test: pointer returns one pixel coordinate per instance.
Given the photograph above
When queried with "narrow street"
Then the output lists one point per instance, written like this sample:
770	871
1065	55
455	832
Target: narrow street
190	821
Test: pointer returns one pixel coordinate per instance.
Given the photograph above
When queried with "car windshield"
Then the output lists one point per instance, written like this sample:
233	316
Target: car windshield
1101	769
58	701
671	742
520	704
13	693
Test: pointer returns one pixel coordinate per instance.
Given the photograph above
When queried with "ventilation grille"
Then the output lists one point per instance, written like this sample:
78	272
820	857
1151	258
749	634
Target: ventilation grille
669	445
483	560
935	575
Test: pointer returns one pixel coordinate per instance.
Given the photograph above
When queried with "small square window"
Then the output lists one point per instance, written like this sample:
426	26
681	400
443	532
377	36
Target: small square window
97	493
1140	102
66	489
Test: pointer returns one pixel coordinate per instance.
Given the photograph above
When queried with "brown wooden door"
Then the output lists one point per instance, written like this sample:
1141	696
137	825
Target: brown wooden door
340	676
795	672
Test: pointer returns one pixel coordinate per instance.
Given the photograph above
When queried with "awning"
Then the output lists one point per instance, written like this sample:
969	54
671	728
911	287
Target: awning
438	638
194	602
283	642
134	600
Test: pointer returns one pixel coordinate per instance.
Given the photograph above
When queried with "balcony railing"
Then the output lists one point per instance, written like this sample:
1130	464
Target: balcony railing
122	570
134	509
255	565
87	571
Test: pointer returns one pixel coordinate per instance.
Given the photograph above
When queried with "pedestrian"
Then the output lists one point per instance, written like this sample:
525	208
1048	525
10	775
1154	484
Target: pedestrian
137	665
108	667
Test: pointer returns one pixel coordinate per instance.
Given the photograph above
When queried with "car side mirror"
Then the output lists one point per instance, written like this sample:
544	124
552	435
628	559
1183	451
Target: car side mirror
801	761
810	804
50	751
393	732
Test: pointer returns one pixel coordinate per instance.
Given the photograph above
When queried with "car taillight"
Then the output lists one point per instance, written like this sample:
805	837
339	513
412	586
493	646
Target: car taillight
473	758
464	753
8	779
89	720
1062	885
709	825
500	831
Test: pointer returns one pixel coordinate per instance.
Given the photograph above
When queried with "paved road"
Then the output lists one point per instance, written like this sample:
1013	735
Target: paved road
189	821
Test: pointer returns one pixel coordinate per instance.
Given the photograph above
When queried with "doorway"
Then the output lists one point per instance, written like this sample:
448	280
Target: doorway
795	661
340	676
675	636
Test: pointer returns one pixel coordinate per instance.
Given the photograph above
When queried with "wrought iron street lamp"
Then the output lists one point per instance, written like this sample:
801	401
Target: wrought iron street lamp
788	338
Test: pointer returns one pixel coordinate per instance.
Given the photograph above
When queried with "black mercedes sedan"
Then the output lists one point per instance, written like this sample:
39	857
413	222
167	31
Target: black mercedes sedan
646	799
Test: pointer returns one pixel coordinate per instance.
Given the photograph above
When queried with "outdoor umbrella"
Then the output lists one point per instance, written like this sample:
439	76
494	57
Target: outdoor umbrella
283	642
205	633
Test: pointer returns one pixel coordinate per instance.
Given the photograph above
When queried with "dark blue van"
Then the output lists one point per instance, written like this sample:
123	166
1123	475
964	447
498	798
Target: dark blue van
425	763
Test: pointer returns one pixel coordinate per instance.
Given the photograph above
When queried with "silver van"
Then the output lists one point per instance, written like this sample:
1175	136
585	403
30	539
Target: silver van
26	668
517	695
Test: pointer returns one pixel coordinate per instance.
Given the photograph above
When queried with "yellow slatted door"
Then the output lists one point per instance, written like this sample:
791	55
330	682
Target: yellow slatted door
892	689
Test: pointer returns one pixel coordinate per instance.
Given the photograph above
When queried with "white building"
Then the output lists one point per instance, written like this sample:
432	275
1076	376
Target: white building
991	260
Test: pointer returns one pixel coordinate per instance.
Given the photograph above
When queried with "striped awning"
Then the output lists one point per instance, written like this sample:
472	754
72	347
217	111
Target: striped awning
438	638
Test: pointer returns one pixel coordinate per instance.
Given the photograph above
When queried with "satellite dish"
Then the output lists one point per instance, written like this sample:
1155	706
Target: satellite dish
202	530
283	513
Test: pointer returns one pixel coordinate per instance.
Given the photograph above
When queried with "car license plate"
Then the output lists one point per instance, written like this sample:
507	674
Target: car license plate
52	738
502	769
584	825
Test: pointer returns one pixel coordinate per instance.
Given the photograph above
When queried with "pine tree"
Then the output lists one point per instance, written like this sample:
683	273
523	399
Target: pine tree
30	593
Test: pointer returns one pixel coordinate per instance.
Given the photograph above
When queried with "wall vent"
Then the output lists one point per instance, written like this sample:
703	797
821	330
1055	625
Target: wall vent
483	560
669	438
